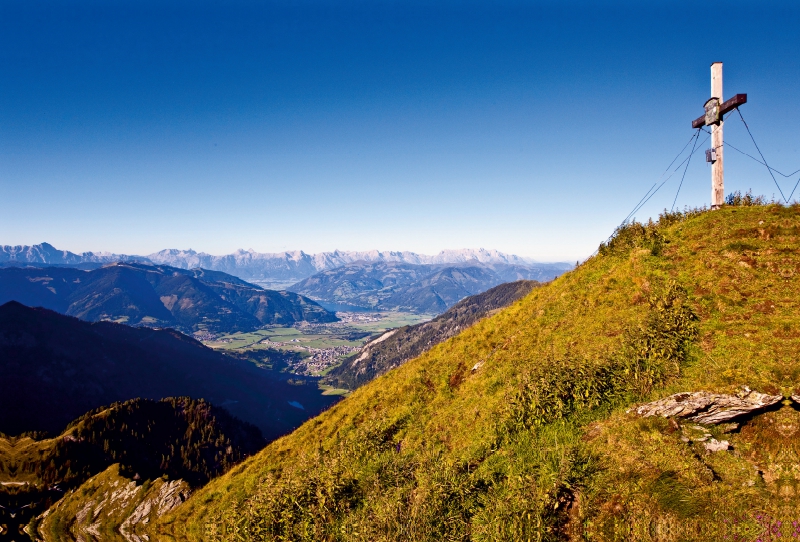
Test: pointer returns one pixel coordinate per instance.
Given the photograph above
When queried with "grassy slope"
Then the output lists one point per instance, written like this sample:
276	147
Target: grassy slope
740	268
536	442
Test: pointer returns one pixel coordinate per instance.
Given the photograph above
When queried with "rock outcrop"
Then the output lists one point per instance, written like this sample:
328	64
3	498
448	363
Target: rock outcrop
709	408
110	504
169	495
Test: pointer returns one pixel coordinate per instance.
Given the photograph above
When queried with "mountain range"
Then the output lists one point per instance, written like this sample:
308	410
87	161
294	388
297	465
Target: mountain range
427	289
54	368
282	267
45	253
653	389
157	296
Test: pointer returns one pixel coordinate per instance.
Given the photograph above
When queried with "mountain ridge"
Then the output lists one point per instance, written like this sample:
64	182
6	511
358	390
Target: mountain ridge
288	266
425	289
192	300
394	347
54	368
179	439
45	253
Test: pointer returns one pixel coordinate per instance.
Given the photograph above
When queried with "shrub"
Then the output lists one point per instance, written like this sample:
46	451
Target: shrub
748	200
652	354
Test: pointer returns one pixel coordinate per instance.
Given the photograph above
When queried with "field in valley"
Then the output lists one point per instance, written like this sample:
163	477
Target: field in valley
312	349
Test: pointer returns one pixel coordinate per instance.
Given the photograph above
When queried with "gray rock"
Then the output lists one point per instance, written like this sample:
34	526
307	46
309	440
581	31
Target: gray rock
709	408
169	496
715	445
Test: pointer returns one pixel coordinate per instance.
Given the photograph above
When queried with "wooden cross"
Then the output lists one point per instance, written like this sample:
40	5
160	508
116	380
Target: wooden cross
714	116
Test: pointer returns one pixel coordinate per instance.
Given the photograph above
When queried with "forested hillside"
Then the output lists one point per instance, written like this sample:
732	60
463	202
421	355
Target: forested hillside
182	440
54	368
179	437
157	296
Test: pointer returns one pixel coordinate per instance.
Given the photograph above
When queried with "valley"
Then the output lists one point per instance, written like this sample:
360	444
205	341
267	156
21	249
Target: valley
311	349
390	350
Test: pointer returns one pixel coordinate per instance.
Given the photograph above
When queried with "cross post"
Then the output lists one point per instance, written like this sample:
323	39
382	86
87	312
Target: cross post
714	117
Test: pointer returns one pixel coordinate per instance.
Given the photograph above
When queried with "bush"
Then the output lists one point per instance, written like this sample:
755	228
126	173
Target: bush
652	354
748	200
637	235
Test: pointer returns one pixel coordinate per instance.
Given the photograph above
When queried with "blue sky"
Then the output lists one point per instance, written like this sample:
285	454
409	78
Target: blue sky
529	127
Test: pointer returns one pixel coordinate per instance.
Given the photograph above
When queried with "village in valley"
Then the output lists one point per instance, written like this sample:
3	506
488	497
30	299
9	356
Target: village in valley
310	349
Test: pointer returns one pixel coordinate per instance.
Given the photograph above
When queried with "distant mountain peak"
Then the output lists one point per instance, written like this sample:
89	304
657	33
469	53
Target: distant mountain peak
262	267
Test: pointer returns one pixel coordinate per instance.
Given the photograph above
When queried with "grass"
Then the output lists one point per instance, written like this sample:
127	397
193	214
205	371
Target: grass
517	428
21	452
330	390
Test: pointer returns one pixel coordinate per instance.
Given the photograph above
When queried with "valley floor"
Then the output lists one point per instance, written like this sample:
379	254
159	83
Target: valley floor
312	349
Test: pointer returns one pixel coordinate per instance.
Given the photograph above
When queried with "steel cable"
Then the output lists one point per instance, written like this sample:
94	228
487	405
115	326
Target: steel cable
684	172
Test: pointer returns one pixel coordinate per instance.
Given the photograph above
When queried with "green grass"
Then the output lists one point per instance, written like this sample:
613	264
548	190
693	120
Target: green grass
517	429
330	390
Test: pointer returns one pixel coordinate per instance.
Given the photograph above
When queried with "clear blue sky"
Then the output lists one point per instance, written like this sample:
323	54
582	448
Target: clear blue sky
532	128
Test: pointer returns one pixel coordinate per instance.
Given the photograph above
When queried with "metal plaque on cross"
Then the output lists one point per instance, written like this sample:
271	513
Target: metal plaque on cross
712	111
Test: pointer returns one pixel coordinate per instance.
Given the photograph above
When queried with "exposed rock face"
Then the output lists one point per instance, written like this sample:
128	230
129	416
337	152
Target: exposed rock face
111	503
170	495
709	408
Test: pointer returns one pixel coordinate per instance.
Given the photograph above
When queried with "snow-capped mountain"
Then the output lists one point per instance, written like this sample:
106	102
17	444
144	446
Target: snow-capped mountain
45	253
280	267
298	265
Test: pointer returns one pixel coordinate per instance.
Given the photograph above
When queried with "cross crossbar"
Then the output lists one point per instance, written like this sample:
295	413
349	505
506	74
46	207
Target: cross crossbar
727	106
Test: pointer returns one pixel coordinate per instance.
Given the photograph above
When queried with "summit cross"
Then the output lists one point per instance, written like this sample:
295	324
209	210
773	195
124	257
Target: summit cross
714	116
